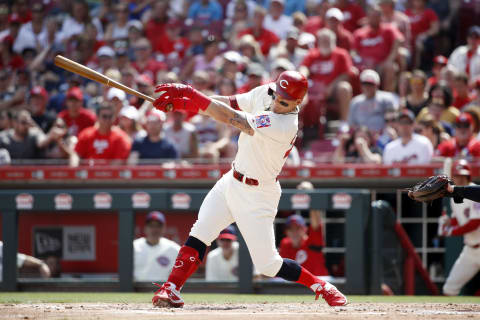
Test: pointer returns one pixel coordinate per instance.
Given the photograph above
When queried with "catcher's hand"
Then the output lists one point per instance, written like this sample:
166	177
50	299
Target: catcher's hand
430	189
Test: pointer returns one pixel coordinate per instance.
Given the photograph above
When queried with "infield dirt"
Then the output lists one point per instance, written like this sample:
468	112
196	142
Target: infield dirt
238	311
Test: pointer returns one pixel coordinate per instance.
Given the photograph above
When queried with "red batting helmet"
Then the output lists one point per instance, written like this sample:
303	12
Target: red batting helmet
290	85
461	168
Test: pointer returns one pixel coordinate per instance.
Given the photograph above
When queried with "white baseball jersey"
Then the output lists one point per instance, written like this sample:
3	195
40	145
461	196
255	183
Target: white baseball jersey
253	208
180	138
20	260
263	155
217	268
418	150
153	263
464	212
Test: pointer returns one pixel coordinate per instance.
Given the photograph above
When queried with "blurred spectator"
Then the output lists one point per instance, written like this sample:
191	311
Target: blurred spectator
255	74
153	255
466	58
358	146
276	21
397	18
222	262
155	28
118	99
129	121
316	21
118	28
144	61
230	69
249	48
174	45
24	140
75	23
138	8
353	13
182	134
328	68
369	108
239	14
153	145
417	99
38	108
106	59
409	147
289	49
9	59
463	144
209	60
76	116
62	144
438	63
103	140
5	119
431	129
440	100
476	95
424	25
33	35
389	132
461	89
145	85
24	260
305	244
235	5
333	21
205	12
377	47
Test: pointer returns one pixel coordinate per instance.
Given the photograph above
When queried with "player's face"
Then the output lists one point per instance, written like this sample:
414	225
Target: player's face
225	244
154	230
281	105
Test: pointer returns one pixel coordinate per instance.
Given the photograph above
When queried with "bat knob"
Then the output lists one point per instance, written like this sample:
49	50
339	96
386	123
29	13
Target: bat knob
169	107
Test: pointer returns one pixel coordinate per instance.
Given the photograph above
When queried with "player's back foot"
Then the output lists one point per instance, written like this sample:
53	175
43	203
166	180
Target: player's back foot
331	295
167	296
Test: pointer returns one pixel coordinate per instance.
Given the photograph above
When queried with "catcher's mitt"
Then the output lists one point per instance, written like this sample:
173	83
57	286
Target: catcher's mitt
430	189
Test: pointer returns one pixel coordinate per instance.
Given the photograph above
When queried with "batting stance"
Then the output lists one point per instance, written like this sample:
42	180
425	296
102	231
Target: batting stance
465	221
249	193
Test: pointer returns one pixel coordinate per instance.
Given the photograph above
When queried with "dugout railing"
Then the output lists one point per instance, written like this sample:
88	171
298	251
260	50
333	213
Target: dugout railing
356	203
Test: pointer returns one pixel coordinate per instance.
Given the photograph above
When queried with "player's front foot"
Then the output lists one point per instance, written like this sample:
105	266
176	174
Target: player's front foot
331	295
167	296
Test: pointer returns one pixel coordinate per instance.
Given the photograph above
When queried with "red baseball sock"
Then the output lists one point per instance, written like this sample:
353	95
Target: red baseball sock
185	265
308	279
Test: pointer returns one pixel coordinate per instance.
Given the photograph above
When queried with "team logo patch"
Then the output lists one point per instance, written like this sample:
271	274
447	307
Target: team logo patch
262	121
163	261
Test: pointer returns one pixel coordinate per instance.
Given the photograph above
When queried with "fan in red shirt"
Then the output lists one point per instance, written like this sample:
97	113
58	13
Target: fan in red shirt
423	24
155	27
328	67
174	46
352	13
304	244
265	38
144	61
438	63
317	21
76	117
461	91
463	144
103	140
377	47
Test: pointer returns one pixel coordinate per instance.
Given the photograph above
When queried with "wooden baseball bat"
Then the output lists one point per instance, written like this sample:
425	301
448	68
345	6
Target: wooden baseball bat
75	67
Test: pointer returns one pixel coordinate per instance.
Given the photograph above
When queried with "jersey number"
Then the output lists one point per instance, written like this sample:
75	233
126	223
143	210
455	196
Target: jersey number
291	147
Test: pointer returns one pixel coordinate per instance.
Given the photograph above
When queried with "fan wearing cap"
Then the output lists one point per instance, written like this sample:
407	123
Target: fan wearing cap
439	62
289	49
249	193
37	105
377	46
75	115
369	108
328	68
145	63
464	221
267	38
463	142
466	58
153	255
276	21
222	262
304	244
129	122
102	141
153	145
333	21
409	147
32	34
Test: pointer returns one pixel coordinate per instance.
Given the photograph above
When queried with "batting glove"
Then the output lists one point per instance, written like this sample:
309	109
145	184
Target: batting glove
180	96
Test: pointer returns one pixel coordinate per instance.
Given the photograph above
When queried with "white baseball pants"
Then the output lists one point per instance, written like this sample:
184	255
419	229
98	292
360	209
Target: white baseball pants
253	208
464	269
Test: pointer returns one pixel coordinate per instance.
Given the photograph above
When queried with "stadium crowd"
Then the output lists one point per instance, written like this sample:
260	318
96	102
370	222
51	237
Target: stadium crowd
389	80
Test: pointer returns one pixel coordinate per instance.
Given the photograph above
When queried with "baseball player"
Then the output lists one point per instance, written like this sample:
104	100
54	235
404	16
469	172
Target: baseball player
465	221
248	194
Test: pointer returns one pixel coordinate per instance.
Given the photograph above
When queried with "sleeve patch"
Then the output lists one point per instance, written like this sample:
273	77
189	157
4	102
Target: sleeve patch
262	121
